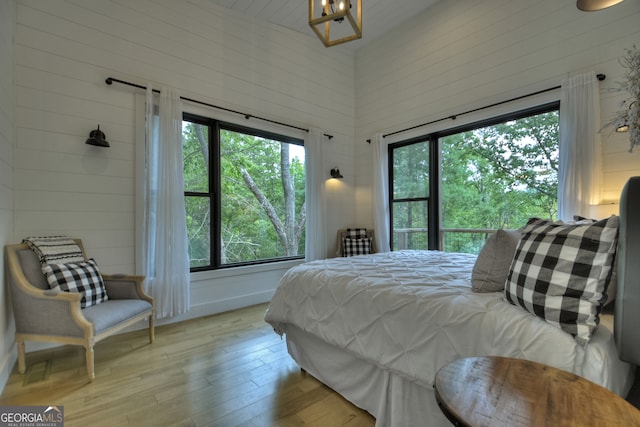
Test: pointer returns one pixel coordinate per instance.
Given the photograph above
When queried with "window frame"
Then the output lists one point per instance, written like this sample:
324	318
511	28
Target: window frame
433	219
433	138
215	127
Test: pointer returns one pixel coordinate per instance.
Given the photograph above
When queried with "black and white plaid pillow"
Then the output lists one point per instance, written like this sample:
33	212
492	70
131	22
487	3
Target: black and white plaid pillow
83	277
560	272
360	246
356	233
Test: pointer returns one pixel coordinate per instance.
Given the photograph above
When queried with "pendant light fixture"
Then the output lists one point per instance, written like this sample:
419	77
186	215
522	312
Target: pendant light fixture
593	5
327	19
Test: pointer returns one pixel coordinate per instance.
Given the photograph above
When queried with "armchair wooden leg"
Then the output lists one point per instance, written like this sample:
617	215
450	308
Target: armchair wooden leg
152	333
90	366
22	365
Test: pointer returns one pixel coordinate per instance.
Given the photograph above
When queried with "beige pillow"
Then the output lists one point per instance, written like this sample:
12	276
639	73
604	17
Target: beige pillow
491	269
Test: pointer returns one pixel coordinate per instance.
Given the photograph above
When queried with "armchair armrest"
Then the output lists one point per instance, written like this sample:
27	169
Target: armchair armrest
122	286
59	313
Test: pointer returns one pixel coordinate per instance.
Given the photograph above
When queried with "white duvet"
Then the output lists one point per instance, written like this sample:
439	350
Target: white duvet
411	312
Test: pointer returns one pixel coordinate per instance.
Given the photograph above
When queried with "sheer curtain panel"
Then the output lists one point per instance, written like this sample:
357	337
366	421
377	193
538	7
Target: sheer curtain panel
315	240
579	171
166	263
380	197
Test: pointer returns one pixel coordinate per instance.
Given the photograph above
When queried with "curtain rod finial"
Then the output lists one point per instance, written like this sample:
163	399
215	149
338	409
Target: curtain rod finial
109	80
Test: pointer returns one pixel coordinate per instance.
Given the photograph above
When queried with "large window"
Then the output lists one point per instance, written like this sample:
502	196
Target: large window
490	175
244	194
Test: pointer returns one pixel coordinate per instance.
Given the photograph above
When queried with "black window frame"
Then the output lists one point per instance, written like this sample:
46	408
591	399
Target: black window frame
432	210
214	193
433	138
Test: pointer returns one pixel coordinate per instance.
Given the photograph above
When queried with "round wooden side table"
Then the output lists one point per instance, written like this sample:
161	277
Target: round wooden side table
500	391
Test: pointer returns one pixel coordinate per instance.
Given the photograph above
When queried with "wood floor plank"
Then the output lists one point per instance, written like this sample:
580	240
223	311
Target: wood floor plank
229	369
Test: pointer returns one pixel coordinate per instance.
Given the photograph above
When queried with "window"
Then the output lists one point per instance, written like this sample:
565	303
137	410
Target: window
411	195
244	194
490	175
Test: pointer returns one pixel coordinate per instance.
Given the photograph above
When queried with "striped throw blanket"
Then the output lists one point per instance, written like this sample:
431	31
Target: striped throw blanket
55	249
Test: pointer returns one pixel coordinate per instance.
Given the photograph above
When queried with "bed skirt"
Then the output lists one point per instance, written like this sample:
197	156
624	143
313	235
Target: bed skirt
396	401
391	399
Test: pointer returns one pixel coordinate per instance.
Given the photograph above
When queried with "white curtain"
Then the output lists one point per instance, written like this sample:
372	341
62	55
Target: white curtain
579	170
380	197
316	241
166	263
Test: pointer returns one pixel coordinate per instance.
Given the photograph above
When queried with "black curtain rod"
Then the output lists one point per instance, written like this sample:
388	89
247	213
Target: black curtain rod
600	77
110	80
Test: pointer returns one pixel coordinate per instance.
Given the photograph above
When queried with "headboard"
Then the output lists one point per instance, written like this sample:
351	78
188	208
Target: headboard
627	304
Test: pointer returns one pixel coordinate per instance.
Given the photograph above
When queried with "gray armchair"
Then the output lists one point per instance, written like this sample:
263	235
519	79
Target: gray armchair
45	315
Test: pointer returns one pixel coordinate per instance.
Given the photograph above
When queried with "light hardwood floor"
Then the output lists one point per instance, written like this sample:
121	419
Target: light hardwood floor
228	369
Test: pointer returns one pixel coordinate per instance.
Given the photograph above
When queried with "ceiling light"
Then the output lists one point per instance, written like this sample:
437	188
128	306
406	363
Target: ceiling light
326	18
592	5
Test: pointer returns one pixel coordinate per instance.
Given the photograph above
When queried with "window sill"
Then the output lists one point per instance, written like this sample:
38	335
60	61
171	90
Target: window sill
199	276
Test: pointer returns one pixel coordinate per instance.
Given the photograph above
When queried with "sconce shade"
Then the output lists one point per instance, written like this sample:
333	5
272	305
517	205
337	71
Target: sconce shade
335	173
97	138
593	5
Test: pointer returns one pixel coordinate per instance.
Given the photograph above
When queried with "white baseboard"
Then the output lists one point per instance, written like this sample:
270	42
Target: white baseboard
220	306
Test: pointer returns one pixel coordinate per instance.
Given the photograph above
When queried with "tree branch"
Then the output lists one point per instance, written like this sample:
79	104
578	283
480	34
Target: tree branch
268	208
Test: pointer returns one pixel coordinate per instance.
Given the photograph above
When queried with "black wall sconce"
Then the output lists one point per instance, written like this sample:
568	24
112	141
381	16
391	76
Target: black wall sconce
97	138
335	173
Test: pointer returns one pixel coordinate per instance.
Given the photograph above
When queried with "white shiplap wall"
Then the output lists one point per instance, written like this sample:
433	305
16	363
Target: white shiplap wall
64	51
7	346
463	54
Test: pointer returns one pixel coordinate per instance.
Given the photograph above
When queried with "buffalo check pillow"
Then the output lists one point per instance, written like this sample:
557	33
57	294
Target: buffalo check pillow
356	242
82	277
351	247
560	272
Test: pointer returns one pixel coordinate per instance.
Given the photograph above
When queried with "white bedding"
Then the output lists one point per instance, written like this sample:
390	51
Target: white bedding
411	312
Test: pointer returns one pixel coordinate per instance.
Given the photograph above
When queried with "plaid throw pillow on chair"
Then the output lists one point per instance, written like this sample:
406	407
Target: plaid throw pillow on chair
81	277
356	242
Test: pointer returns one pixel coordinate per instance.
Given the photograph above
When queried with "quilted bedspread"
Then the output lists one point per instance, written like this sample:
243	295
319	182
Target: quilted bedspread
411	312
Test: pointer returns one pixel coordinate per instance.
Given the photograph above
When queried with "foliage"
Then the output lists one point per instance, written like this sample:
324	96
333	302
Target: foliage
490	178
262	209
499	176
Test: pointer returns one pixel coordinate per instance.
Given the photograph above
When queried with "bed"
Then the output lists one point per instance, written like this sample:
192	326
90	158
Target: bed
376	328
